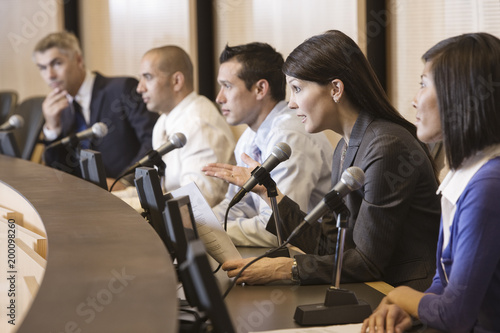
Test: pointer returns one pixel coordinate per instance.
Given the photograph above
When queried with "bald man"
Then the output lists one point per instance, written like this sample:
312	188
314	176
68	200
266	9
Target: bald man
166	86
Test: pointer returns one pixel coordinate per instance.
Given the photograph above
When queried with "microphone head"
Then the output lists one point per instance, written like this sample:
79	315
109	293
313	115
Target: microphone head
353	177
178	140
282	151
16	121
100	130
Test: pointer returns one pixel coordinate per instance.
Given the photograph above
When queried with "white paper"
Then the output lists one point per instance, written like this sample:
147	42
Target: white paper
210	231
350	328
129	195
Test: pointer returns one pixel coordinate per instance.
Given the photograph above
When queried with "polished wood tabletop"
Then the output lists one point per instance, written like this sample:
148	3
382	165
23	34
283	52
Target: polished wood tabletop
272	306
107	270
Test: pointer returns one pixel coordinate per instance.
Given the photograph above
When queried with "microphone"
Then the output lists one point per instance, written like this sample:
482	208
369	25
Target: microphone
176	140
351	180
98	130
281	152
14	122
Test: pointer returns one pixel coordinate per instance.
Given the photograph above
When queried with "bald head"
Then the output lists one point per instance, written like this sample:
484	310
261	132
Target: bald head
171	59
166	78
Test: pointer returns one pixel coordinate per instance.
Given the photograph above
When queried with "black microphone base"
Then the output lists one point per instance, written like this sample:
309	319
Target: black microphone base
279	253
340	307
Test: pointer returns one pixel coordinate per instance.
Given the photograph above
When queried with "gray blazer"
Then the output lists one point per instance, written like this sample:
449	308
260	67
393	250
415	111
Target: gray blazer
395	216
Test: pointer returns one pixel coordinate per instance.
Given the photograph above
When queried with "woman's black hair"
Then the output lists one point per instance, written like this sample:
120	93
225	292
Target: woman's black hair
334	55
466	73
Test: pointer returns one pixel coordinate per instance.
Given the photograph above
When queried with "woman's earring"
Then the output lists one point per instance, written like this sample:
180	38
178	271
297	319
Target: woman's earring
335	100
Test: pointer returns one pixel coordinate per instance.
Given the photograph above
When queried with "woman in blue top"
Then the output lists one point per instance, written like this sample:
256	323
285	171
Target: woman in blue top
459	103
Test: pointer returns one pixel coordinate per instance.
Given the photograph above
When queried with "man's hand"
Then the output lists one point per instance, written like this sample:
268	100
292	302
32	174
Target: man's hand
233	174
52	107
262	271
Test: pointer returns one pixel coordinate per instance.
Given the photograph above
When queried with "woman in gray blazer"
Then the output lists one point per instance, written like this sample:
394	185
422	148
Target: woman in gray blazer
394	217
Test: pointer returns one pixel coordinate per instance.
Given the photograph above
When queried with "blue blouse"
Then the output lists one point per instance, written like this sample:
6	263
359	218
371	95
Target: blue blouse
465	293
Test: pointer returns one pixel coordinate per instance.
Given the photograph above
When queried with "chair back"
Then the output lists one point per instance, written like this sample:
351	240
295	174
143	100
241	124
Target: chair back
8	102
27	136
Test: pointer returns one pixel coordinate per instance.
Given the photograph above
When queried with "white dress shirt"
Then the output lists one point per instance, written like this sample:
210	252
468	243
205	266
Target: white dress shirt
209	140
305	177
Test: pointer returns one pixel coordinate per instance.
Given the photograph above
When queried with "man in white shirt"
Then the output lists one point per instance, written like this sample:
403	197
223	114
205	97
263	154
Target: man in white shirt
252	92
166	85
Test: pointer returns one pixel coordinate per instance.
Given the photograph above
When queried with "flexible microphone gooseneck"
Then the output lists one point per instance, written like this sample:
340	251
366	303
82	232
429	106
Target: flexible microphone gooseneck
97	131
176	140
351	180
281	152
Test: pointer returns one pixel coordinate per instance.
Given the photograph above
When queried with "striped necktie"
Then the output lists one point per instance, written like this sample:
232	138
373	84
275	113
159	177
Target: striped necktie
256	153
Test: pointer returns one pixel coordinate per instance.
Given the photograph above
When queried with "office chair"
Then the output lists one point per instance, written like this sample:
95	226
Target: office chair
8	102
27	136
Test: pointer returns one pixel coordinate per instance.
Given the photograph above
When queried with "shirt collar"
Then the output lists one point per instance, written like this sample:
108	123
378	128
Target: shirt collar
186	101
266	126
84	94
456	181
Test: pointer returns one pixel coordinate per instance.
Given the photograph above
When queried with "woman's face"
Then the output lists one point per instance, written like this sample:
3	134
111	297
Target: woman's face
425	101
313	103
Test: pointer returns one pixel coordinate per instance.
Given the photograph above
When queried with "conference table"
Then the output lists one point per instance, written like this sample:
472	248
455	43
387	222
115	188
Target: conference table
106	269
272	307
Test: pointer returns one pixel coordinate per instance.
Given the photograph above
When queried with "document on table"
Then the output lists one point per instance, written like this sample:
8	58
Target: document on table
350	328
210	231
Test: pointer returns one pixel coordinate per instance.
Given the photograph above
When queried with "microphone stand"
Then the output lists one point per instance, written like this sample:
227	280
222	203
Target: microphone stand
154	158
341	306
264	178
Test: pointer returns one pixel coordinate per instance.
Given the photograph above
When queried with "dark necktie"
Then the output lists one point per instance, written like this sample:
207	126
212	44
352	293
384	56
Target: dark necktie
80	123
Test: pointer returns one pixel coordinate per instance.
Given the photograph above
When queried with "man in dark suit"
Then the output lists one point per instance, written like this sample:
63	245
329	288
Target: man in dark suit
80	99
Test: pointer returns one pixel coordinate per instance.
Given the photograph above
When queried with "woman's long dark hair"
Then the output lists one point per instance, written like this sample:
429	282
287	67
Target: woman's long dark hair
334	55
466	71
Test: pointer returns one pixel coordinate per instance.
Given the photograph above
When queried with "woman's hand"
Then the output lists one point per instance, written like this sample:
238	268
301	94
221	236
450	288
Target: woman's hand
388	318
262	271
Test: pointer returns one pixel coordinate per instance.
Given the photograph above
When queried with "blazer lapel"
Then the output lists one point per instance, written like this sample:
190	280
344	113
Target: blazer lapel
358	131
97	98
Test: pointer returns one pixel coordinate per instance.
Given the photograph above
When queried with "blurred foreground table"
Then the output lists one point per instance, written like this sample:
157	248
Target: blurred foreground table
106	270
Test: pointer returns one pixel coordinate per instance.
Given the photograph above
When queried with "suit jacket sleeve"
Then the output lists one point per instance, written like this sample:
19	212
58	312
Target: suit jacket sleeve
379	213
